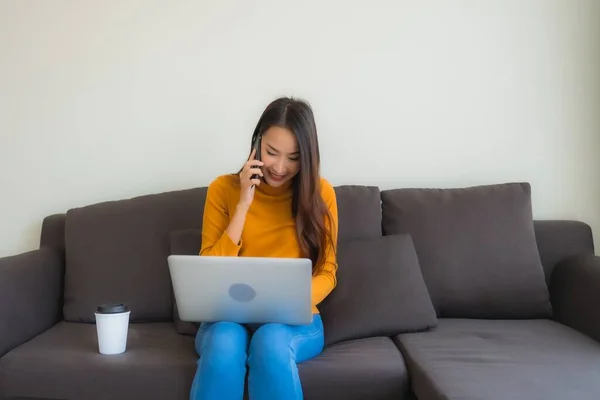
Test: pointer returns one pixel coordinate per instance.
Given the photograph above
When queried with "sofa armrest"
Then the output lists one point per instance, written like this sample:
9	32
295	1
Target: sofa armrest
575	294
31	291
559	239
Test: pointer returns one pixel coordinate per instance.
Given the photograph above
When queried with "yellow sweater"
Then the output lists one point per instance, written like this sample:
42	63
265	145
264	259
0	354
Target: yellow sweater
269	230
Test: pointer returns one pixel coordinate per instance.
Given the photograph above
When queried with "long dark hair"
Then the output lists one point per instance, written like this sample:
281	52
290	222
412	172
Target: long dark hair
308	208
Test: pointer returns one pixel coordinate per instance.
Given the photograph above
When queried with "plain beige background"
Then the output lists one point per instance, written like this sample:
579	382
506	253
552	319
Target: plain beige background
113	99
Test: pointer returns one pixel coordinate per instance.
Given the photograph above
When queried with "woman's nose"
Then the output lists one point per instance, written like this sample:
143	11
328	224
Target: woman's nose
280	166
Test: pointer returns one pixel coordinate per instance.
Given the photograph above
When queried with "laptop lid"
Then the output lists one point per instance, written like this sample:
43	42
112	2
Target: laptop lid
242	289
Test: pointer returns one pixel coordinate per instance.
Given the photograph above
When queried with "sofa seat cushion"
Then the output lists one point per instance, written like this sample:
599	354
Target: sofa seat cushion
498	360
371	368
64	363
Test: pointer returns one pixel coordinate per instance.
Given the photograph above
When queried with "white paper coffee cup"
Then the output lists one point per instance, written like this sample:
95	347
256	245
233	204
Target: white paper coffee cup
112	325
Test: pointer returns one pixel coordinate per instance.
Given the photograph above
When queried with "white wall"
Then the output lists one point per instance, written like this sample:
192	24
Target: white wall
112	99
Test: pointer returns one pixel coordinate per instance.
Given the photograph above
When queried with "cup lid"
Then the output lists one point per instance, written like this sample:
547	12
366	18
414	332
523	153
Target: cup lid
112	308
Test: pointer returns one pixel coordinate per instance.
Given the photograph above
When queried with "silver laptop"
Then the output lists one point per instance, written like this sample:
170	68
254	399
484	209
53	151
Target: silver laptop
242	289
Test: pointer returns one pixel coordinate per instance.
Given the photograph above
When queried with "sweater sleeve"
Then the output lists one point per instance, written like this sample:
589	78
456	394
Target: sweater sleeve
215	220
325	281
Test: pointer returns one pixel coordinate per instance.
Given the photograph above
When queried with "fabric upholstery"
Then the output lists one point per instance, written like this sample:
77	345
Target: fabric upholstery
64	363
53	232
380	291
31	287
575	294
359	212
476	247
499	360
557	240
361	369
116	252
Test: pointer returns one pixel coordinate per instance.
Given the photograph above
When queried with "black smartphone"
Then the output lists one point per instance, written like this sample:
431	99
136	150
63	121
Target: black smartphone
256	146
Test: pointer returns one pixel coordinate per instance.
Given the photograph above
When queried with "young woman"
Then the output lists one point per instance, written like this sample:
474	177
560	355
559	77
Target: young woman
278	206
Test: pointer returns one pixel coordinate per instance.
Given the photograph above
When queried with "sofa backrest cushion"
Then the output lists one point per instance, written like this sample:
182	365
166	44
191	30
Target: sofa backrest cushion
117	252
359	212
380	291
476	247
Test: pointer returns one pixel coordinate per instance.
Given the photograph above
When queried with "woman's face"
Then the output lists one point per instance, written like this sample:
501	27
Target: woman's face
280	155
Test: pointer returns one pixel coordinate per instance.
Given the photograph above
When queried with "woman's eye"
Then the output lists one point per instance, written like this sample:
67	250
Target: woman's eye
294	158
269	153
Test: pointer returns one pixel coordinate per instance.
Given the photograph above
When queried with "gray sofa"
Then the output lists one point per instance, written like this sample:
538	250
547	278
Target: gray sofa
442	294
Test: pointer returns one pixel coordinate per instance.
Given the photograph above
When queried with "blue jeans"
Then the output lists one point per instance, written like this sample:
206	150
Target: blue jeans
271	352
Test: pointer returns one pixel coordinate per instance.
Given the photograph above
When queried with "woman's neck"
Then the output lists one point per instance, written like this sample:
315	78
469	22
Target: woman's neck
265	188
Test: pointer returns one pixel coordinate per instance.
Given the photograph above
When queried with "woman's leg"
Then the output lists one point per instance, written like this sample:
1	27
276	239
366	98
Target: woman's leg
221	372
275	349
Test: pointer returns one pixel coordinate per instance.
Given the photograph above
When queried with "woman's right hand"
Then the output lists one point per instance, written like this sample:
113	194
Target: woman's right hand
247	184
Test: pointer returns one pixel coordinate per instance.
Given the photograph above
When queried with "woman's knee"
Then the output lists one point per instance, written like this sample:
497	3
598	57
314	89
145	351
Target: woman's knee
223	343
271	342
